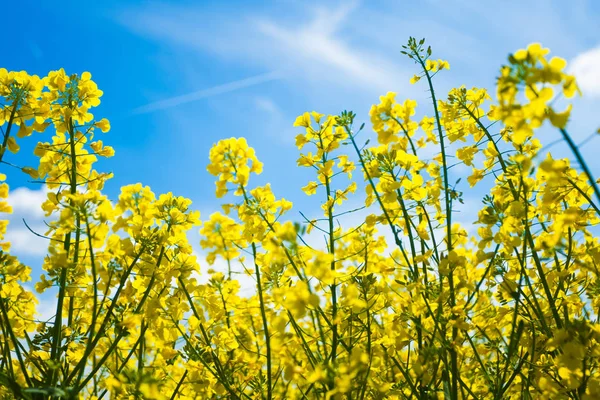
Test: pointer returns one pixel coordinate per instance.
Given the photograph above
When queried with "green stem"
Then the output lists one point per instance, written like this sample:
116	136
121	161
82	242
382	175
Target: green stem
9	127
265	322
453	353
207	340
263	312
80	367
55	353
176	391
581	161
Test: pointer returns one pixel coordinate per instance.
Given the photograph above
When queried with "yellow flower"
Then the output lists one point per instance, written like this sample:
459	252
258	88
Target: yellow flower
415	79
103	124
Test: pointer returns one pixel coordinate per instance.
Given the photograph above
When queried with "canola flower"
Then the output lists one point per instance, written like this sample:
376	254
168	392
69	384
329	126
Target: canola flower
437	310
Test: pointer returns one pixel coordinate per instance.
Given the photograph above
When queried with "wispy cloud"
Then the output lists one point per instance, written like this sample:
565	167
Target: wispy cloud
267	105
317	44
320	50
317	47
204	93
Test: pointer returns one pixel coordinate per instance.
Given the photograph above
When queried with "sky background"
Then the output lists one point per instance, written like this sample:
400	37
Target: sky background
178	76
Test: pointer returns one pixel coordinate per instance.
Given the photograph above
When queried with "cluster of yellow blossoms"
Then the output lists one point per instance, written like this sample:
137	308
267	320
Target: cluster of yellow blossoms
407	303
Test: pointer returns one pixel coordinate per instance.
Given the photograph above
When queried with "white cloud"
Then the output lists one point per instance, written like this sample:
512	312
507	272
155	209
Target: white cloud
586	68
26	204
24	242
46	309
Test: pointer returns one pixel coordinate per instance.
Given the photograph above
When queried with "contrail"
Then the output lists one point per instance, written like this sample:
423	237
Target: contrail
204	93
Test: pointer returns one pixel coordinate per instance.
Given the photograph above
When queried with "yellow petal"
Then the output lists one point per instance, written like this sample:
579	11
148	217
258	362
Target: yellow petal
12	145
560	120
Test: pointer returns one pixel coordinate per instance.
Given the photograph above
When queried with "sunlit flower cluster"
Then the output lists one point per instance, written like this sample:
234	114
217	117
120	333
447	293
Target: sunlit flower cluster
407	300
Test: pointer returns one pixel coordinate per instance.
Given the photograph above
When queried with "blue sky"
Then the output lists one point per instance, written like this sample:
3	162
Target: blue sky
178	76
